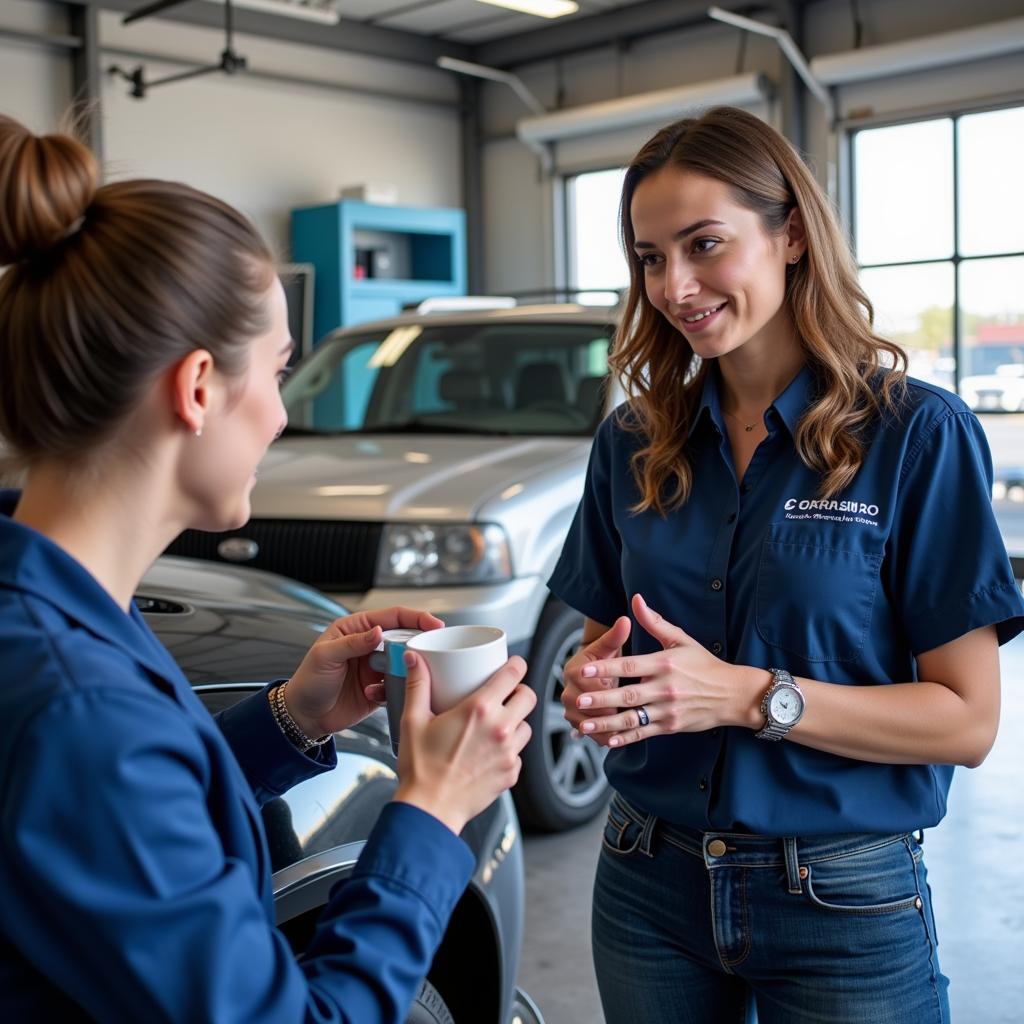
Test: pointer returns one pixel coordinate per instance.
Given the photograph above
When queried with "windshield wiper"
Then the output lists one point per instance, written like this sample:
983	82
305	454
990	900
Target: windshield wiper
292	431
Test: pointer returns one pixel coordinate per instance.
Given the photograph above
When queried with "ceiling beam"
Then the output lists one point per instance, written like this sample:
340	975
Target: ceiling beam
621	25
349	35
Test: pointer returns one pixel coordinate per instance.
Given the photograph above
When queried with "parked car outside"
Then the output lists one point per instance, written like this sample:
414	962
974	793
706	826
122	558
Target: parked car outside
1002	391
436	460
232	630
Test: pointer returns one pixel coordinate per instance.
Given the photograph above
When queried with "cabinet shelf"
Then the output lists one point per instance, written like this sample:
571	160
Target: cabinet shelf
371	260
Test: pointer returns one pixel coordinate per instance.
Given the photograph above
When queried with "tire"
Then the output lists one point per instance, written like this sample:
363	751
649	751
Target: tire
429	1007
562	783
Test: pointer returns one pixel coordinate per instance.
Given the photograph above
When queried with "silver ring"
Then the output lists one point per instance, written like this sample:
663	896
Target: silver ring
641	714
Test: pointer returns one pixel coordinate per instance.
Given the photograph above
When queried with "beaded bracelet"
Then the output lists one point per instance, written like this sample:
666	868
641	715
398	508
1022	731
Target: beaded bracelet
288	725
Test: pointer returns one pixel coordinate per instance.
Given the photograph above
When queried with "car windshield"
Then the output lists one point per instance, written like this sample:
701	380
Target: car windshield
488	378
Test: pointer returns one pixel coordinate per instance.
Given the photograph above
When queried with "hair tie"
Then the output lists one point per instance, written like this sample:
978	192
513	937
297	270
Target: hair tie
76	225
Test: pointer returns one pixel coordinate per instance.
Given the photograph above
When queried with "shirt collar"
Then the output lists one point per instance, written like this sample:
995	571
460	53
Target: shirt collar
32	563
789	406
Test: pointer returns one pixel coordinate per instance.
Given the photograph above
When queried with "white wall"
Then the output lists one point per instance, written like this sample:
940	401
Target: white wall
35	83
268	146
264	146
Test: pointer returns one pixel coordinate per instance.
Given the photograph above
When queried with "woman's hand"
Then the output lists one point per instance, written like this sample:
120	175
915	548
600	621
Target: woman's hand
608	645
683	688
455	764
335	687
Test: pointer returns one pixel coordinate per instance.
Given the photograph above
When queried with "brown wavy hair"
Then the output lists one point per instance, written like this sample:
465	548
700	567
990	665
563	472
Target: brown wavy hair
105	288
832	314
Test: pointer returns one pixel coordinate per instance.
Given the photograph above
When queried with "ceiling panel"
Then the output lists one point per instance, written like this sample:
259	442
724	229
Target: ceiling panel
442	16
365	10
484	33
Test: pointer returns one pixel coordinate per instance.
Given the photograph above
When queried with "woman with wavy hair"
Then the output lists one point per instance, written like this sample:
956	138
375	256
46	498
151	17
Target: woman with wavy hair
794	590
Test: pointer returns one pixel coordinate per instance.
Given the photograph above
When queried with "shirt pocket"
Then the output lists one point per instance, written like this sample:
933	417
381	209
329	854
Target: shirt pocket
814	595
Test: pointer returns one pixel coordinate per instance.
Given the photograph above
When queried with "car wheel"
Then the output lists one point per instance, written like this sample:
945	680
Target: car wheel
562	783
429	1007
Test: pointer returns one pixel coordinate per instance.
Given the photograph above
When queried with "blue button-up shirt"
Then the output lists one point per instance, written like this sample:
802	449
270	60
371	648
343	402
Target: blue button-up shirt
765	573
134	870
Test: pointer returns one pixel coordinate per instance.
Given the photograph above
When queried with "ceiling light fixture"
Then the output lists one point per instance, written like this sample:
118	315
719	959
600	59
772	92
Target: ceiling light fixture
308	10
541	8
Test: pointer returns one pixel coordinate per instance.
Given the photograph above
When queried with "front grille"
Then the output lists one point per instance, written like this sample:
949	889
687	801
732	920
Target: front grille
334	556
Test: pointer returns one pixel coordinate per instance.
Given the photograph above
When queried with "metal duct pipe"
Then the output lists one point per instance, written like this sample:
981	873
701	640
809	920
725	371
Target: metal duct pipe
938	50
641	109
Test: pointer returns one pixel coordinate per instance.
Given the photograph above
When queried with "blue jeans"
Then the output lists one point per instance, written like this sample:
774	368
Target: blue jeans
702	928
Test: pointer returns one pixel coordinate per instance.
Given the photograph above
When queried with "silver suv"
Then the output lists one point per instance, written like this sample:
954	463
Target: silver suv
436	459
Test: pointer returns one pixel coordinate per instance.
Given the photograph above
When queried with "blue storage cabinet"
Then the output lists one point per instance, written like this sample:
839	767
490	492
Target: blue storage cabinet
371	260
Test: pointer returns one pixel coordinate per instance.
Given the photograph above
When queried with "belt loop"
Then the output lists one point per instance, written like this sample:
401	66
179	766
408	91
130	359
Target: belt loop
647	835
792	865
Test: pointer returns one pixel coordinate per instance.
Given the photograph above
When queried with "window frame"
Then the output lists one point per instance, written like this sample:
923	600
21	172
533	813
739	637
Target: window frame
955	113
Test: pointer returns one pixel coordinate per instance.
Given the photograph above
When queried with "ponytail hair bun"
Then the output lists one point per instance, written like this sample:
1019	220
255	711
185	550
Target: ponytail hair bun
47	183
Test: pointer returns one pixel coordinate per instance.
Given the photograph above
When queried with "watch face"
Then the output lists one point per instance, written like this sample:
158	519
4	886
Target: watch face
786	705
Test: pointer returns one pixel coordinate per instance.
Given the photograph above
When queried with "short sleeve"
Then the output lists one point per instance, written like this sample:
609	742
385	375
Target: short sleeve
951	571
588	575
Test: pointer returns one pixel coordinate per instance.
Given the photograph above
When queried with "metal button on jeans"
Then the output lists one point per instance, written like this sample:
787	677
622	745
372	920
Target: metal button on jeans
716	848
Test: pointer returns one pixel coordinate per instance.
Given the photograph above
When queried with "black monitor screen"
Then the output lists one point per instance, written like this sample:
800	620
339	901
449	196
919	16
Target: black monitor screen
297	279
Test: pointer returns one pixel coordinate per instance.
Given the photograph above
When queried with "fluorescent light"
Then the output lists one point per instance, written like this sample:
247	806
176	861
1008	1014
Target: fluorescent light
541	8
640	109
311	11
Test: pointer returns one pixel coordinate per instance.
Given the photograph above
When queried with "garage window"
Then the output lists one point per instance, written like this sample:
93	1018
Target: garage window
938	226
595	252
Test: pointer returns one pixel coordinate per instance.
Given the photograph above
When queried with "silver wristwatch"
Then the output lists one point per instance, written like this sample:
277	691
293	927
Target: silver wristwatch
782	706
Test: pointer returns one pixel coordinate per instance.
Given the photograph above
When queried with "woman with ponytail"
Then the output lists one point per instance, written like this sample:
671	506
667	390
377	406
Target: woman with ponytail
143	336
794	590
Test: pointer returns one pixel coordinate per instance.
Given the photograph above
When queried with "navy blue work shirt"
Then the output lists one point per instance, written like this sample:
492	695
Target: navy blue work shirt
134	869
847	591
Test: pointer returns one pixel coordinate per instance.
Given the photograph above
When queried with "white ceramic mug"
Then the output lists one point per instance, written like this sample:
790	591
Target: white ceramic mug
460	659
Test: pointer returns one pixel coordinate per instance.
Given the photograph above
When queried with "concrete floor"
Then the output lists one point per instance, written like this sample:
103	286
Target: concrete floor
975	862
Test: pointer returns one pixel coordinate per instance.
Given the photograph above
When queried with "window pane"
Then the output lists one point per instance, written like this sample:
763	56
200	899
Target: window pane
992	325
595	251
904	192
992	328
914	308
991	156
1006	440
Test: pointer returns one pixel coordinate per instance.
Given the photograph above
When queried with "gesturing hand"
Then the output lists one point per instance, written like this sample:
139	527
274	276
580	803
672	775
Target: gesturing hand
683	688
574	683
335	686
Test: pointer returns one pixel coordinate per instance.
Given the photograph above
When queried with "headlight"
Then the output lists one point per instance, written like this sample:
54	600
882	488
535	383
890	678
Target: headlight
425	555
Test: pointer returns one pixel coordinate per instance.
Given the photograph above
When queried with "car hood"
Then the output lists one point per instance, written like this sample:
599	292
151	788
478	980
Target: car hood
395	477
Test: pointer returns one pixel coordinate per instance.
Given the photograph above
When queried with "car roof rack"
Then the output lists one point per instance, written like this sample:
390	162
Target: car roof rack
464	303
581	296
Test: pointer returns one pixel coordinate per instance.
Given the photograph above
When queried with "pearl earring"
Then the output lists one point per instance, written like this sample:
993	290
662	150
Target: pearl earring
199	432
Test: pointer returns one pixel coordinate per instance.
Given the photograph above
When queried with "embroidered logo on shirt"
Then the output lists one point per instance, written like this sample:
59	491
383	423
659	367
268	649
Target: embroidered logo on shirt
832	511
